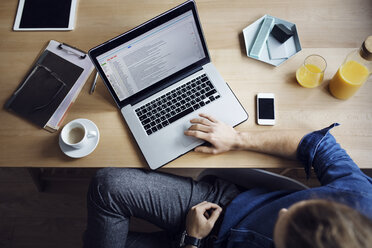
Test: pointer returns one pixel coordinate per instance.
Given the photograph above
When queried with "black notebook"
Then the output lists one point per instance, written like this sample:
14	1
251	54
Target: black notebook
44	88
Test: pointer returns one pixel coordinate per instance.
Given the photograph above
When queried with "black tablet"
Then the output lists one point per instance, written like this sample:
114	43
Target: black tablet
45	15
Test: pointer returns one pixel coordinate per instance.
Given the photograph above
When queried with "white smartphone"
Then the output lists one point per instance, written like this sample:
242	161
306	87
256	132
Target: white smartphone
265	109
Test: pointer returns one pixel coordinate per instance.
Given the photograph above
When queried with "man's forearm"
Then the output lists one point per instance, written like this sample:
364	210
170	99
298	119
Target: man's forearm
223	138
279	143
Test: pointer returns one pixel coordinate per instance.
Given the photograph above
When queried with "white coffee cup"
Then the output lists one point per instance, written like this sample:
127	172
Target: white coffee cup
75	134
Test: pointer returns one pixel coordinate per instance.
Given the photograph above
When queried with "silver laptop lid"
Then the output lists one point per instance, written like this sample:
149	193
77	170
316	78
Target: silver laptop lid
151	56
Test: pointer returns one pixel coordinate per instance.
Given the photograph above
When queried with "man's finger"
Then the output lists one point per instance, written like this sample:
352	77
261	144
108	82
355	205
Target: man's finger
199	204
203	121
209	117
200	127
207	209
197	134
208	205
214	216
205	149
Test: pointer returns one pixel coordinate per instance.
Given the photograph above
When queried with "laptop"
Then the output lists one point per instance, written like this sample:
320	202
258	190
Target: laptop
161	76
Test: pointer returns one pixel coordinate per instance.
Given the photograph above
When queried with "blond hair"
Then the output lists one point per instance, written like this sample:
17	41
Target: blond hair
327	224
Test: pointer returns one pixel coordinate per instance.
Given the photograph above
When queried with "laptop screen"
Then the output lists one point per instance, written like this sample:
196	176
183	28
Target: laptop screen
154	55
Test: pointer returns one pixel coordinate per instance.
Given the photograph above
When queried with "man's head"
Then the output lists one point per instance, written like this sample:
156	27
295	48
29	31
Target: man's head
322	224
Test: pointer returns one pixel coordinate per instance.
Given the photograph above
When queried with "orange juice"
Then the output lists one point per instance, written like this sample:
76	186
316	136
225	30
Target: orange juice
348	79
309	76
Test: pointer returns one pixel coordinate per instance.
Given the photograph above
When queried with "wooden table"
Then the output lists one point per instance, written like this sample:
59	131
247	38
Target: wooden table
330	28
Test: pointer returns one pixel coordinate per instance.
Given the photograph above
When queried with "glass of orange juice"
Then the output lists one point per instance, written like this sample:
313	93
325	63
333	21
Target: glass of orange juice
311	73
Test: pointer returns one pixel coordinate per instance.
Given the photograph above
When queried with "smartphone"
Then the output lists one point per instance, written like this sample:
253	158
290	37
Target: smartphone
265	109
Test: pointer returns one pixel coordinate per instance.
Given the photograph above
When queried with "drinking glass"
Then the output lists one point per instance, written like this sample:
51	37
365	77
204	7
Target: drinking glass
311	73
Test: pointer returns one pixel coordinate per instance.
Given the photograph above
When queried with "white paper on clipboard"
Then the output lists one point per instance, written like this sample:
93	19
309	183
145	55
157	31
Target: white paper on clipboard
78	58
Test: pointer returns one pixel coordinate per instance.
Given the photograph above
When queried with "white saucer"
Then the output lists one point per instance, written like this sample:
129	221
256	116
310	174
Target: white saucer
86	150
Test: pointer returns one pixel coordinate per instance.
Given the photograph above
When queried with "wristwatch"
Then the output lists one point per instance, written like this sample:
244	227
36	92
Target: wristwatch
189	240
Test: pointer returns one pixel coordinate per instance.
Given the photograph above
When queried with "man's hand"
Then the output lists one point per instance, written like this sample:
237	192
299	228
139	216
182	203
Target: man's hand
198	222
224	138
221	136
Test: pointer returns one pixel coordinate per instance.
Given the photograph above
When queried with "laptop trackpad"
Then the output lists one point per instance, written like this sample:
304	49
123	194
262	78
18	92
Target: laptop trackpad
187	140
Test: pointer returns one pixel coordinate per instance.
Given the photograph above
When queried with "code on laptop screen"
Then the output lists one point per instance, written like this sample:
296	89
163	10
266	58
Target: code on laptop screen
152	56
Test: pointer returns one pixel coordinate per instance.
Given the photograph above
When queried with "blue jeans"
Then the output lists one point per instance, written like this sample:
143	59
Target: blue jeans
116	194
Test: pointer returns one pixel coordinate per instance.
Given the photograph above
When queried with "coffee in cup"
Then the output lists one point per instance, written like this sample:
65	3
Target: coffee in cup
76	134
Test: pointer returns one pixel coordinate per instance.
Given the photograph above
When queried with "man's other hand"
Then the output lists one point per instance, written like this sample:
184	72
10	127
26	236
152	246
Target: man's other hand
199	223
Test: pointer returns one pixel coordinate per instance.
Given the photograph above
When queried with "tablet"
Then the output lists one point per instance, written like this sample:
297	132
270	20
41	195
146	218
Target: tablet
45	15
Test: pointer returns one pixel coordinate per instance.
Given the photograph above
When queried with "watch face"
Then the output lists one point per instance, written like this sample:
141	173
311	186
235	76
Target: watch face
182	241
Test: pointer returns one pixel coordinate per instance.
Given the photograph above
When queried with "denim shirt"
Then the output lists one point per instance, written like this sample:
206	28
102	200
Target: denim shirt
250	218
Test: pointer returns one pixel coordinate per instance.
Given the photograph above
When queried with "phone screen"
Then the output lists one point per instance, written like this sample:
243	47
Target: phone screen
266	108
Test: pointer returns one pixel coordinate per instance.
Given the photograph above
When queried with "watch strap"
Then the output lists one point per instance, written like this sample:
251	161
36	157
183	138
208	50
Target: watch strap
189	240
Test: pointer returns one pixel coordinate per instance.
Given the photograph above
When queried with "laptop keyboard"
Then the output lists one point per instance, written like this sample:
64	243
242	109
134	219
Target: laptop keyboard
177	103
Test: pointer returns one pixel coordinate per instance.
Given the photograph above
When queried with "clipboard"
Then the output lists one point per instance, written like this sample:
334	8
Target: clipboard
51	86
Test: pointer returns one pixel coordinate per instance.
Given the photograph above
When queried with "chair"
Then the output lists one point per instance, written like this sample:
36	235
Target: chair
250	178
